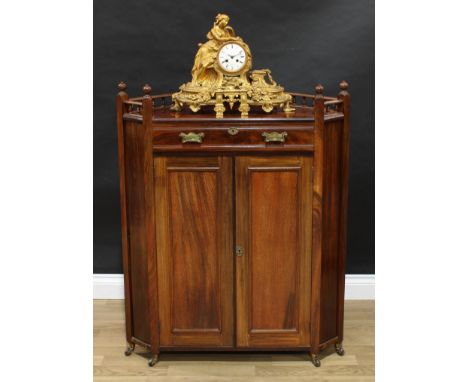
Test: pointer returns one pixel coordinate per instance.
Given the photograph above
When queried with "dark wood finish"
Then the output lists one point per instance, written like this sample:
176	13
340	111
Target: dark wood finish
218	138
194	236
186	206
273	197
343	189
149	221
317	219
330	227
336	146
162	115
136	220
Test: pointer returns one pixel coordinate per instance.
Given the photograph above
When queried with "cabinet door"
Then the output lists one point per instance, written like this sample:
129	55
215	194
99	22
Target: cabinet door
273	248
193	198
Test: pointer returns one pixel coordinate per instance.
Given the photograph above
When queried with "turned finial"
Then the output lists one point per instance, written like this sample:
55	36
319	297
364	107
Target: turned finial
147	90
319	89
344	90
122	86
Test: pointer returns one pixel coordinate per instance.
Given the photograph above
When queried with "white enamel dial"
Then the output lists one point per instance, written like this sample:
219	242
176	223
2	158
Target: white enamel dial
232	57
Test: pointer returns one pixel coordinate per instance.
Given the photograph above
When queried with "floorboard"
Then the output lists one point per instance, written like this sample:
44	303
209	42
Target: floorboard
110	364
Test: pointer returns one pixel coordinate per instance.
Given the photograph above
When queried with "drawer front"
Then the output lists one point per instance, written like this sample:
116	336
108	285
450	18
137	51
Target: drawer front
233	138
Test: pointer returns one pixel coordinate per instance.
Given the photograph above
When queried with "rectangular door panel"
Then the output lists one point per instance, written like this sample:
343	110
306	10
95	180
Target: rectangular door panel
194	250
275	275
273	231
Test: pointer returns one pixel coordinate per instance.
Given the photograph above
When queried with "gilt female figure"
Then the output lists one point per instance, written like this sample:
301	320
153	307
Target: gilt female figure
203	72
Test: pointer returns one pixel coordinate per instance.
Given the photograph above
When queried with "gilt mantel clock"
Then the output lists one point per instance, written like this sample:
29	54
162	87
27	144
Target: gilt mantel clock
233	199
220	75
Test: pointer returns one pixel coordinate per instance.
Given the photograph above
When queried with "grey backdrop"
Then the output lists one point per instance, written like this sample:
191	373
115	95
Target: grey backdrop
303	42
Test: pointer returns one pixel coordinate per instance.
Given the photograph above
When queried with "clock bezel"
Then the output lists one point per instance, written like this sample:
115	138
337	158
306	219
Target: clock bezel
247	64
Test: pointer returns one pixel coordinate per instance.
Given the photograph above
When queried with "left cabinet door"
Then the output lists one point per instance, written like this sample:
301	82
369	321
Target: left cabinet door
194	229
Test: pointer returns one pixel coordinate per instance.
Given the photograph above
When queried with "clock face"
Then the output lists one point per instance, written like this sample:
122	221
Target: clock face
232	57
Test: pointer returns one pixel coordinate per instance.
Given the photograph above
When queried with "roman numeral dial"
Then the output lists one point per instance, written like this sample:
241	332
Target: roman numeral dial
232	58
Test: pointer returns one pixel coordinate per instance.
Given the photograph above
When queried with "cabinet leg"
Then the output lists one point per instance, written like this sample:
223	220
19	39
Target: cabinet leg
315	359
152	361
130	349
339	349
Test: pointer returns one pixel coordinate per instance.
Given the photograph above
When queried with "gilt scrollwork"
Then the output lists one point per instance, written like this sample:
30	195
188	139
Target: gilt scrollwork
211	86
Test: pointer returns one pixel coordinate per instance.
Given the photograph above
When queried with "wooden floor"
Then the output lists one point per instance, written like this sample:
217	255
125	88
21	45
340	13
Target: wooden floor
110	364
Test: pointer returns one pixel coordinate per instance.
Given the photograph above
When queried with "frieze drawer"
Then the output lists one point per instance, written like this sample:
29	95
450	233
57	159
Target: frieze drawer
233	138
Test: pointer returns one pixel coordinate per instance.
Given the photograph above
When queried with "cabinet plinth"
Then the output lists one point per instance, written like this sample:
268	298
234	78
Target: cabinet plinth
234	229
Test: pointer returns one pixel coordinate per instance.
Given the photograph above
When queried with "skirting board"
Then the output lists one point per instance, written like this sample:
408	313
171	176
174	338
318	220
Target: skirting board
110	286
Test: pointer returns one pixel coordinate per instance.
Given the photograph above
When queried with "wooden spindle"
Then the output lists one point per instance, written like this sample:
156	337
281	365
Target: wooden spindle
147	102
344	90
122	86
122	96
319	89
147	91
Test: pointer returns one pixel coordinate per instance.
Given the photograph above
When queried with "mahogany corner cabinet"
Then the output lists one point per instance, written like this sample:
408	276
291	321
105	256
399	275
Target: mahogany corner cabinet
234	229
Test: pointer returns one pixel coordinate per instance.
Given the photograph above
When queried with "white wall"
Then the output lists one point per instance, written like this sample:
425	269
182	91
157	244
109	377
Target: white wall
110	286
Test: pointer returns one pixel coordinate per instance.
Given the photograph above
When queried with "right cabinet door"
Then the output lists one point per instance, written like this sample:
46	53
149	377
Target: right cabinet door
273	250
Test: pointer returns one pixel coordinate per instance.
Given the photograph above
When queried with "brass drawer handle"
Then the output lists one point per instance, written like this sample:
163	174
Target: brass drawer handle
192	137
274	136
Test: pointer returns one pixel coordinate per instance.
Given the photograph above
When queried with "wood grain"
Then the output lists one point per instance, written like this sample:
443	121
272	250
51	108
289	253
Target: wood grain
149	221
274	249
193	206
317	219
134	166
186	206
330	233
344	108
193	218
273	196
217	138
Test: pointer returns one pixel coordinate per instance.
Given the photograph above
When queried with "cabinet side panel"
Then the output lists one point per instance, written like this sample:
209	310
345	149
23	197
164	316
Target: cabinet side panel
331	226
136	229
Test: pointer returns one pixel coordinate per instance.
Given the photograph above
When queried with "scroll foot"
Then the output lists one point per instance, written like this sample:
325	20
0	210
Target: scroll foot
288	108
339	349
177	106
315	359
130	349
152	361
